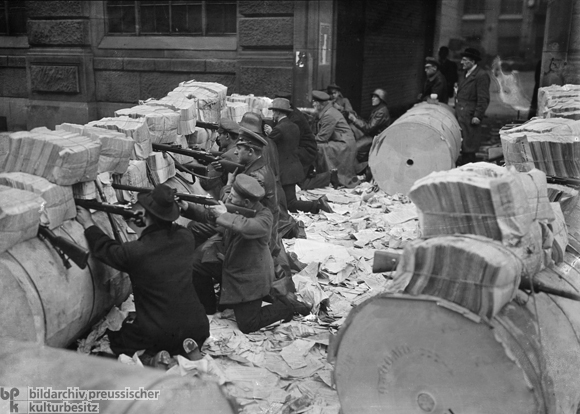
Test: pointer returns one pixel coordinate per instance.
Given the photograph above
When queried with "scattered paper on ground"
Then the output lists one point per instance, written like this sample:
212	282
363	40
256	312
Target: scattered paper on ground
283	368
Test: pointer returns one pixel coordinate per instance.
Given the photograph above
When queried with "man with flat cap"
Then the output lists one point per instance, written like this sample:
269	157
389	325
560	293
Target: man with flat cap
286	135
435	82
336	143
247	271
471	102
338	100
169	316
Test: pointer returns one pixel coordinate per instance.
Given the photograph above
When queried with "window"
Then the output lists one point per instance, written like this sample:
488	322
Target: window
159	17
12	18
511	6
474	7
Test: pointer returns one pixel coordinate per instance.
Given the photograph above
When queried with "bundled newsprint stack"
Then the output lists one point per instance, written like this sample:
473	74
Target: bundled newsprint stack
58	203
116	147
135	128
475	272
61	157
162	167
234	110
559	101
209	96
256	104
163	122
19	216
551	145
490	201
184	106
135	176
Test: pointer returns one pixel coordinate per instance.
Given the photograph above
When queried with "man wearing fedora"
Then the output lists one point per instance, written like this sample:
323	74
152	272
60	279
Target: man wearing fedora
435	82
286	135
170	318
471	102
247	270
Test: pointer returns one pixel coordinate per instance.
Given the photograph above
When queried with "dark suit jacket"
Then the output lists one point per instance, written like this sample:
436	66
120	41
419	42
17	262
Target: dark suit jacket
286	135
307	149
471	101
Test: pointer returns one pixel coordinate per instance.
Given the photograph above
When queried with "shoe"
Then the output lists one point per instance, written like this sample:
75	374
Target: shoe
323	205
334	178
191	349
297	307
162	360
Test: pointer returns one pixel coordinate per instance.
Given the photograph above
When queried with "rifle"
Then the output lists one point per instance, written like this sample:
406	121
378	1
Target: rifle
202	156
125	212
571	182
193	198
65	248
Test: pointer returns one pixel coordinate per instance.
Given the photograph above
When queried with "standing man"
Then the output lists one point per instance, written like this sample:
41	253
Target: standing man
435	82
247	270
307	148
471	103
286	135
169	314
449	70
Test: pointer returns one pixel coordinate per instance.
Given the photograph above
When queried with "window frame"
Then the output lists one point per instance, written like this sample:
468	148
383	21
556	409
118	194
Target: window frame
6	8
138	32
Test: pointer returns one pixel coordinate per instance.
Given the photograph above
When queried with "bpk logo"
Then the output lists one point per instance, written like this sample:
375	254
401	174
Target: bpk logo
9	401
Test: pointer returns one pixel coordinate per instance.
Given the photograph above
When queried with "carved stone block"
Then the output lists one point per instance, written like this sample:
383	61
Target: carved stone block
54	78
266	32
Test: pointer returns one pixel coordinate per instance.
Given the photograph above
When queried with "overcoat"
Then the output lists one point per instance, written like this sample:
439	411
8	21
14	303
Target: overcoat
248	268
436	85
379	120
159	265
472	100
307	149
286	135
336	145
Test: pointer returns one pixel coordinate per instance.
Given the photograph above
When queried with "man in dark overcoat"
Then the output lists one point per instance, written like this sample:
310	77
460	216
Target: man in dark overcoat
159	264
286	136
471	102
435	82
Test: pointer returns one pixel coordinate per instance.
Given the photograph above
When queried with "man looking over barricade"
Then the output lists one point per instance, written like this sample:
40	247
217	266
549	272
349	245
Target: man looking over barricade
286	135
471	102
246	272
169	316
339	101
435	84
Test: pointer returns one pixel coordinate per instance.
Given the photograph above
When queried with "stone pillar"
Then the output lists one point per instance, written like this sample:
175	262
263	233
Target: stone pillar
448	24
59	64
572	74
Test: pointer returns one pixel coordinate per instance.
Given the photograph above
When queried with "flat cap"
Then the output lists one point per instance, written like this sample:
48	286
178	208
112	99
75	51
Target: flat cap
320	96
229	126
432	61
333	86
248	187
250	139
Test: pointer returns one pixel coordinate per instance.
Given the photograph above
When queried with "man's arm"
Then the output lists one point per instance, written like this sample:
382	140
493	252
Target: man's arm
380	119
327	125
248	228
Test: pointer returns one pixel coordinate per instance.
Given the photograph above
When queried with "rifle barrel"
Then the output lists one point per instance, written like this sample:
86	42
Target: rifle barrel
78	254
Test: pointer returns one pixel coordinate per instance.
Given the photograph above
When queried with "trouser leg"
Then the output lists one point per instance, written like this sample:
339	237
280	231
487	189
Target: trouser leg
203	276
251	316
294	204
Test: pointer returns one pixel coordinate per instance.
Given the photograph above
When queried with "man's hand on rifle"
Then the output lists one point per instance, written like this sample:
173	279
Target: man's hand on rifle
267	129
217	165
218	210
84	217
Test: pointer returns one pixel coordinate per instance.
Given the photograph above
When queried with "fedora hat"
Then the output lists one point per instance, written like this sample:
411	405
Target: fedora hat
281	104
253	122
251	139
160	202
472	54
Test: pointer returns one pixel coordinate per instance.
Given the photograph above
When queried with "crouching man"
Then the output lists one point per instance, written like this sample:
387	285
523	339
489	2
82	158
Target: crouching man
247	271
169	317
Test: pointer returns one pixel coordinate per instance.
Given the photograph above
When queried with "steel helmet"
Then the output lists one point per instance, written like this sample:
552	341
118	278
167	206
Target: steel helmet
253	122
381	94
